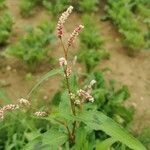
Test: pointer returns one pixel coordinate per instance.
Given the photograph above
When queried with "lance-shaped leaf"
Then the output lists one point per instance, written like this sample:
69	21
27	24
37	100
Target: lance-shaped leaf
45	77
98	121
106	144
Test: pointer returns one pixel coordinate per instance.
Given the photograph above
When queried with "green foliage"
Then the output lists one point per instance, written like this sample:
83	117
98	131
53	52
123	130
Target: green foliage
45	77
2	4
144	137
32	47
55	7
87	125
29	132
88	6
105	145
92	57
147	38
110	101
26	7
18	128
120	12
90	37
6	23
98	121
92	50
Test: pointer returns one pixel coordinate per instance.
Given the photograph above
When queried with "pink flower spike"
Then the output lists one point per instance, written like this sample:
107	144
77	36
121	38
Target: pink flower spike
62	61
74	34
62	20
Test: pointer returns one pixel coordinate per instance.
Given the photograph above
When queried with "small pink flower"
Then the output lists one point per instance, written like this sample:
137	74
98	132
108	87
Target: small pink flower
91	99
40	114
68	71
85	94
10	107
74	34
92	82
62	20
62	61
1	114
24	102
77	102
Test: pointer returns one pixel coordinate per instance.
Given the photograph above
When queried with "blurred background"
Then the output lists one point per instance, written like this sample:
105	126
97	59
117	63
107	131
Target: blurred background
114	46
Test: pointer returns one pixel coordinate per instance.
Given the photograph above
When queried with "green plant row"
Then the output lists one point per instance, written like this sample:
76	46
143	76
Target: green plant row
57	6
32	47
120	12
92	49
6	23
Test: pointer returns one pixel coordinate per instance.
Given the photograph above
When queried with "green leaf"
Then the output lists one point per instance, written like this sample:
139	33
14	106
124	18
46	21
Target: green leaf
45	77
65	106
106	144
84	139
32	145
98	121
54	137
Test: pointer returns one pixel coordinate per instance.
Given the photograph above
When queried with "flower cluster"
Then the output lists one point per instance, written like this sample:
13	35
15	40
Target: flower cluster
62	20
10	107
74	34
40	114
83	95
6	108
24	102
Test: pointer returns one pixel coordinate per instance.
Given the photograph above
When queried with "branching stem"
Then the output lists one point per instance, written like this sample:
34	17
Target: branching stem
68	88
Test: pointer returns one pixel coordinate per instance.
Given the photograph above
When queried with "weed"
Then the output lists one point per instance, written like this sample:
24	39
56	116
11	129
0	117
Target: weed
73	124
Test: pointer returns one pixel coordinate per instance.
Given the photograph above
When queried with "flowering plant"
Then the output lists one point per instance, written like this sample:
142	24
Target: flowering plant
74	122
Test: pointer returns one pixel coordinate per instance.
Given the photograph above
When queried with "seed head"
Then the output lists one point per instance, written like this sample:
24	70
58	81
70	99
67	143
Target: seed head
74	34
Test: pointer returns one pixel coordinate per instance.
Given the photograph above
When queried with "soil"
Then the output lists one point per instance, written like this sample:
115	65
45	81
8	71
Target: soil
132	71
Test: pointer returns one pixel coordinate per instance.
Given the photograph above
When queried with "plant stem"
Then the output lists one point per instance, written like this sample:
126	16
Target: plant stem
65	52
69	90
63	123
